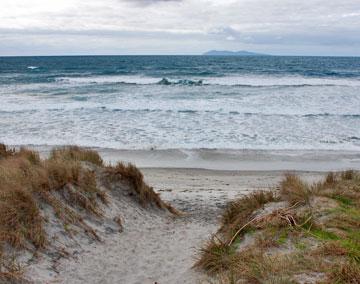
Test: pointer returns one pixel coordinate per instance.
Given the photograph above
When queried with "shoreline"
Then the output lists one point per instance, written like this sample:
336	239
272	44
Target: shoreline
228	159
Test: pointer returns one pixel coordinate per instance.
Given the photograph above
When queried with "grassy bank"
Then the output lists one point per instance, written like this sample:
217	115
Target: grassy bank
302	233
71	185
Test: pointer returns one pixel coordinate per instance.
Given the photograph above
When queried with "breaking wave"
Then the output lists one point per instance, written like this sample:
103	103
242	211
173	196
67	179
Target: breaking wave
236	81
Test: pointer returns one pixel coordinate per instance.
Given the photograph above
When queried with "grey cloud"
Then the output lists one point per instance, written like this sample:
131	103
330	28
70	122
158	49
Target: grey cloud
315	36
176	26
149	2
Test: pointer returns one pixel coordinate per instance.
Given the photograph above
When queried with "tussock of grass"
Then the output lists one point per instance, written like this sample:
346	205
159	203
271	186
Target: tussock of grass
10	270
348	272
20	219
132	175
323	217
294	190
239	212
331	248
25	179
75	153
5	151
217	257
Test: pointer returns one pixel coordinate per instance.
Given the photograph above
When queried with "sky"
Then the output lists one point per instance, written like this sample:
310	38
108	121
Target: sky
278	27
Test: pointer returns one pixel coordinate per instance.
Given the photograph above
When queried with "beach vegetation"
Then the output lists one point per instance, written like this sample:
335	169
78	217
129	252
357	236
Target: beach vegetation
75	153
10	270
303	233
71	182
134	178
239	212
294	190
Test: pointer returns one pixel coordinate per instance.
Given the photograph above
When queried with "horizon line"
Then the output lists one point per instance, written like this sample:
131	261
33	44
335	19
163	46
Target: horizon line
197	54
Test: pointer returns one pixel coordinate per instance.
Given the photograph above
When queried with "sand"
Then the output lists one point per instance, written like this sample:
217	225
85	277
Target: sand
231	160
154	247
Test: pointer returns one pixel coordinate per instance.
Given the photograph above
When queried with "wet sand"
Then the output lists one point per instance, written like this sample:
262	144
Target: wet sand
231	160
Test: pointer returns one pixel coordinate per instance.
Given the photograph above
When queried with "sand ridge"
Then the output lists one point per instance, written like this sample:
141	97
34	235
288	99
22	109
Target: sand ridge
158	248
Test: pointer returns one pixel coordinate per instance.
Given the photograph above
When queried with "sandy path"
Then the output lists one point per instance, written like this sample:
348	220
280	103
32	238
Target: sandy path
151	250
158	249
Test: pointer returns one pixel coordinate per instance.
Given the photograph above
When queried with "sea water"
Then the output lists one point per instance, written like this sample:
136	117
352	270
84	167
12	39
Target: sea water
181	102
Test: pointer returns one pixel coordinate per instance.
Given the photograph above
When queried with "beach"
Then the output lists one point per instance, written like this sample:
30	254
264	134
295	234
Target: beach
154	246
161	249
227	159
179	142
157	248
151	152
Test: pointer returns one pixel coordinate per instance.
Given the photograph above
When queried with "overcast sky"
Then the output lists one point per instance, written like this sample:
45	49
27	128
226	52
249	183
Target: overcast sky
291	27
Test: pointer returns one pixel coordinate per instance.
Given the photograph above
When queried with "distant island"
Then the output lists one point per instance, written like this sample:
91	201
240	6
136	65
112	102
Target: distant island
232	53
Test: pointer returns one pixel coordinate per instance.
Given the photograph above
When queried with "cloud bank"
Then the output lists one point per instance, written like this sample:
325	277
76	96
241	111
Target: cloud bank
314	27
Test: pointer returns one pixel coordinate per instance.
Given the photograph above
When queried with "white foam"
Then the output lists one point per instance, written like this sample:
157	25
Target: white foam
69	111
266	80
139	80
233	80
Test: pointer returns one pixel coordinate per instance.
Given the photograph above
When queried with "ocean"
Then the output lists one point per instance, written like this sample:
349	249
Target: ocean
181	102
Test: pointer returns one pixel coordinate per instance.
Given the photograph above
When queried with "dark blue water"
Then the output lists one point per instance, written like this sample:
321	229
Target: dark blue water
137	102
49	68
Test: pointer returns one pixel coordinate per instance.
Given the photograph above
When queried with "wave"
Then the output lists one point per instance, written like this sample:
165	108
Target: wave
134	80
235	81
187	111
80	98
32	67
288	86
352	138
201	112
184	82
196	111
281	81
329	114
308	115
231	112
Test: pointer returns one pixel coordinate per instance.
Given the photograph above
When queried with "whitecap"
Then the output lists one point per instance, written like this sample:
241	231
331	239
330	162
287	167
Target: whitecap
236	80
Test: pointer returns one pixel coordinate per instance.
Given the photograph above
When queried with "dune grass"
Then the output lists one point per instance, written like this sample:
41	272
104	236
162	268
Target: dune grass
313	237
25	180
75	153
294	190
67	183
10	270
133	176
239	212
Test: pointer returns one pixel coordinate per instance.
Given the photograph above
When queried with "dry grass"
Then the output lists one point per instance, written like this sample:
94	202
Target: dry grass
239	212
60	181
348	272
254	265
294	190
145	193
25	179
10	270
217	256
5	151
310	238
63	182
75	153
20	221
